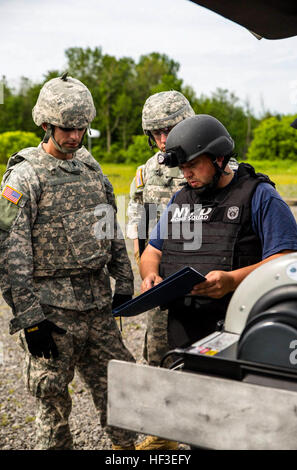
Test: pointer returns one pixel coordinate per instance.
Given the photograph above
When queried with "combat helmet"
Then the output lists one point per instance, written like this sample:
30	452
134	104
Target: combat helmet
197	135
164	110
64	102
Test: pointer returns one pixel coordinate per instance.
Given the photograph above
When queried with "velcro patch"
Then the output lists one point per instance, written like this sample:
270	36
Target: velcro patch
139	179
12	194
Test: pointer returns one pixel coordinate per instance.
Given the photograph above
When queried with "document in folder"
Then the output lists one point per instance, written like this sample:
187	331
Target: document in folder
173	287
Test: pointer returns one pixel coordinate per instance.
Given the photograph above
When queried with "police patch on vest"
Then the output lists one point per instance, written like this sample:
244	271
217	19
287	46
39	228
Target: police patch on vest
233	214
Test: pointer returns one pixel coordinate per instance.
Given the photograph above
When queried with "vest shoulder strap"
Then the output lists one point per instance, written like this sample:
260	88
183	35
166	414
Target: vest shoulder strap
245	169
85	157
30	154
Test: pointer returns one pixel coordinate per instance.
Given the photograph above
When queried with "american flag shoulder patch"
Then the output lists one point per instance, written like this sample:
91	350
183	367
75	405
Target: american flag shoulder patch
13	195
139	179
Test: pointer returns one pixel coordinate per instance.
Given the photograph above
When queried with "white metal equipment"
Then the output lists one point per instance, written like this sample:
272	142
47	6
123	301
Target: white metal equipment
237	388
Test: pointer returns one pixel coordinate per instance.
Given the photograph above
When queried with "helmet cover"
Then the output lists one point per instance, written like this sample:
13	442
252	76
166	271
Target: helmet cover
165	109
64	102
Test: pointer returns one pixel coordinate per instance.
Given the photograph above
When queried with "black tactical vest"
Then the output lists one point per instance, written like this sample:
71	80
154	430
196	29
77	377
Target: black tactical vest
228	241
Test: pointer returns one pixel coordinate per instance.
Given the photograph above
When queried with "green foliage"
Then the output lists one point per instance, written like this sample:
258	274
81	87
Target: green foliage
274	139
11	142
116	154
139	151
2	171
120	87
16	111
154	73
239	122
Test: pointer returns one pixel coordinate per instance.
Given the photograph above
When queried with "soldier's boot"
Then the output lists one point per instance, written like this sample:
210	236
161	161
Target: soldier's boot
116	447
157	443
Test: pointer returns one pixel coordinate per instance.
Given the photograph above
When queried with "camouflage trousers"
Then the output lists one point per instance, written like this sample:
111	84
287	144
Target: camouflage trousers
92	339
155	341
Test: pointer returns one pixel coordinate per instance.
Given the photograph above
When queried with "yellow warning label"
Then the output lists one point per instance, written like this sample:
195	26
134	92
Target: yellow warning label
211	352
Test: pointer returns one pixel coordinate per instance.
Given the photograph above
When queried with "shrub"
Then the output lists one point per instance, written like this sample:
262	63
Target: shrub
11	142
116	154
274	139
139	151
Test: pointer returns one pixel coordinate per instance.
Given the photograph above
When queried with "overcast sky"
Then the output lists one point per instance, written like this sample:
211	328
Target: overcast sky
212	51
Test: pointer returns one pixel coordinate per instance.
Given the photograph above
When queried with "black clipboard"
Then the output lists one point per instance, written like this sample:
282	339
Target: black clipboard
173	287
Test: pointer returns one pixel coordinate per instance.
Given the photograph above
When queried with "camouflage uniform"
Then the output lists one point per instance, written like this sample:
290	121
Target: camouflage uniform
158	184
154	184
54	266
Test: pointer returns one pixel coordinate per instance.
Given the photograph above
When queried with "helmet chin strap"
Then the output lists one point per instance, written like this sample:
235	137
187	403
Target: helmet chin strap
151	140
49	134
209	187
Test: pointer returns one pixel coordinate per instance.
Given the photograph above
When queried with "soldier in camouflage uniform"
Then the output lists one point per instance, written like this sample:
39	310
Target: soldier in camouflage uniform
55	263
154	185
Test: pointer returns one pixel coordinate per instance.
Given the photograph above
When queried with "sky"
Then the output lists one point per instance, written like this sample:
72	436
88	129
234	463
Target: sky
213	52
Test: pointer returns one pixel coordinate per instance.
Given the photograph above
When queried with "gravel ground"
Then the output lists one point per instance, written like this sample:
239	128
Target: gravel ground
17	406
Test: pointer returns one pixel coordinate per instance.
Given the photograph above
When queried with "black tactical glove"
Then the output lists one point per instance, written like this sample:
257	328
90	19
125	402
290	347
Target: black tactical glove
119	299
40	341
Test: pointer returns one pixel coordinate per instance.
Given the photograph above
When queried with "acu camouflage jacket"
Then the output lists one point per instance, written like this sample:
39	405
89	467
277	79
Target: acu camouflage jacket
53	216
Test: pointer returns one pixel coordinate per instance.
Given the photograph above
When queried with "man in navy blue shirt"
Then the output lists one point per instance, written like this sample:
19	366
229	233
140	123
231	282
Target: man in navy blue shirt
242	220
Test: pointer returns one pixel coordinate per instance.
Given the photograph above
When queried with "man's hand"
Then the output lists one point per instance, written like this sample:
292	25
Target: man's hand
220	283
217	284
40	341
150	281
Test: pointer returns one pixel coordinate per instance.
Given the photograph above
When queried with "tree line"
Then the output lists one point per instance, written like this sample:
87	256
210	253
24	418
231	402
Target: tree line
120	87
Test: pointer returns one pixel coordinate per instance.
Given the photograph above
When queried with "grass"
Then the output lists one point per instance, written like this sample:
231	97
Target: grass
282	172
120	176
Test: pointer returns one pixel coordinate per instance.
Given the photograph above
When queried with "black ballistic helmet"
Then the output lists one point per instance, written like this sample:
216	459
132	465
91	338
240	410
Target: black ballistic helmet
197	135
